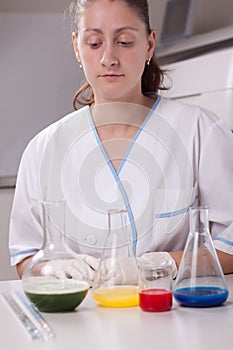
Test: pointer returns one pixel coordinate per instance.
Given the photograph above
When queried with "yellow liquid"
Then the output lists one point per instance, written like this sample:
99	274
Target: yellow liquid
117	296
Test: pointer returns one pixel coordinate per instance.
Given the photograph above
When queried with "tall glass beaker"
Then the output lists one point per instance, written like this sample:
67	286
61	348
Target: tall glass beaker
46	279
200	281
116	281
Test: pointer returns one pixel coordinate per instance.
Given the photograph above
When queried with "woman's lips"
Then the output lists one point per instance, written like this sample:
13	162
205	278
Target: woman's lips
110	76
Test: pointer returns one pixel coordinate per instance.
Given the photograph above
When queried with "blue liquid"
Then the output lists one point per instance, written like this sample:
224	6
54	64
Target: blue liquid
201	296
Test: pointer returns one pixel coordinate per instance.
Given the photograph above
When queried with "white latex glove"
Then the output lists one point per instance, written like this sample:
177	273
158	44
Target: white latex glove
82	267
120	270
159	259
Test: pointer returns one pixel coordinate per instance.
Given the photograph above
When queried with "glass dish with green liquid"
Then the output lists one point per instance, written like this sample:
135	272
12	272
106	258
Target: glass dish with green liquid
56	295
50	288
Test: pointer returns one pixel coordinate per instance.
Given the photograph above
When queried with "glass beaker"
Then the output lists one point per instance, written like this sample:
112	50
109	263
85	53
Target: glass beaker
116	280
48	287
200	281
155	287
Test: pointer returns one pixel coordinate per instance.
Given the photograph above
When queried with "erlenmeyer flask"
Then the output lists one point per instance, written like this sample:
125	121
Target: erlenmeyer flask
200	281
45	283
116	281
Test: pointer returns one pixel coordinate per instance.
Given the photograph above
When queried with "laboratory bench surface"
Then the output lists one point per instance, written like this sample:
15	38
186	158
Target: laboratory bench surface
94	327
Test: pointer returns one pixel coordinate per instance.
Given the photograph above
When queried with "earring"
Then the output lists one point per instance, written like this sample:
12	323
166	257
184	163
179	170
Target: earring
80	64
148	62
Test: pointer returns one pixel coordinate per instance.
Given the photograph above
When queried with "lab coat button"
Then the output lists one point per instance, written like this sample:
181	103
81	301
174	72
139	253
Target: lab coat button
91	240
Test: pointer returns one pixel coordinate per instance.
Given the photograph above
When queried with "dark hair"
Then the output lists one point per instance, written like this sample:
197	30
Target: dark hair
153	75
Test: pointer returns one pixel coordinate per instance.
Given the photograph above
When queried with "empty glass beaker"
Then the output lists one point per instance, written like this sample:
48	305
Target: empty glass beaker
116	280
47	278
200	281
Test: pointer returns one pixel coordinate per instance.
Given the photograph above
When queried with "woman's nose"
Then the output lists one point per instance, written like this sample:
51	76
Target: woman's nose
109	57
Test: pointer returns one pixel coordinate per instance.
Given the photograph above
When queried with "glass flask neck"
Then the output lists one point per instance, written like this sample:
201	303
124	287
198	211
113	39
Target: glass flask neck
119	233
116	219
54	225
199	220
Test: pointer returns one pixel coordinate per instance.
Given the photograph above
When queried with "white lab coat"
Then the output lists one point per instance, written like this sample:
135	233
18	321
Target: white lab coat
180	157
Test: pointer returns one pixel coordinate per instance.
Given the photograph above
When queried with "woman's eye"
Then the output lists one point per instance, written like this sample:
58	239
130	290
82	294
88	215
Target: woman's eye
124	43
94	45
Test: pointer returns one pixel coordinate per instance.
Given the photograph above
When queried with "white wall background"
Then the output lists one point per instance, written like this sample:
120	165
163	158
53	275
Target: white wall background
6	198
39	75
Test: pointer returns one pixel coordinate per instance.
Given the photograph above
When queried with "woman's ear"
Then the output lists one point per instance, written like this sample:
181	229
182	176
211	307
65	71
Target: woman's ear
151	44
75	45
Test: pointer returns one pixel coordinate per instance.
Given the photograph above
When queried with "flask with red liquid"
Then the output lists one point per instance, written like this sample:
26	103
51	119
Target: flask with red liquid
155	288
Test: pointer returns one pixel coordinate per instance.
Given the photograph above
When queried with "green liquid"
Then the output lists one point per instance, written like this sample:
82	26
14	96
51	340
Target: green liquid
56	295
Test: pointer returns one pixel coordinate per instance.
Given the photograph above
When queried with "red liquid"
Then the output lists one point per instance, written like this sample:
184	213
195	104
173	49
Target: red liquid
155	299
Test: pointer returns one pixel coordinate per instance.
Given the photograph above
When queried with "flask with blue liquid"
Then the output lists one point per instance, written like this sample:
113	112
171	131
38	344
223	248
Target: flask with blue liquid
200	280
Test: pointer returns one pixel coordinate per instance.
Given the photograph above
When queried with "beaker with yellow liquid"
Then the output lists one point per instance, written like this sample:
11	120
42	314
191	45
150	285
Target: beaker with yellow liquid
116	281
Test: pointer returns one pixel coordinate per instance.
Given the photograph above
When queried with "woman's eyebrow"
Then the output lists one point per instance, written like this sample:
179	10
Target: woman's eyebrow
97	30
126	28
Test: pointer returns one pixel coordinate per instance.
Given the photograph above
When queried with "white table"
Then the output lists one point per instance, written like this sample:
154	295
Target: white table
94	327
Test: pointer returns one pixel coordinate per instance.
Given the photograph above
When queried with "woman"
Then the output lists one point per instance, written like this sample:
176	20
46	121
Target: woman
128	148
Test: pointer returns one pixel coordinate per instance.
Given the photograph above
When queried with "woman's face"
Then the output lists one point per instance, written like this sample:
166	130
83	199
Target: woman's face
113	47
